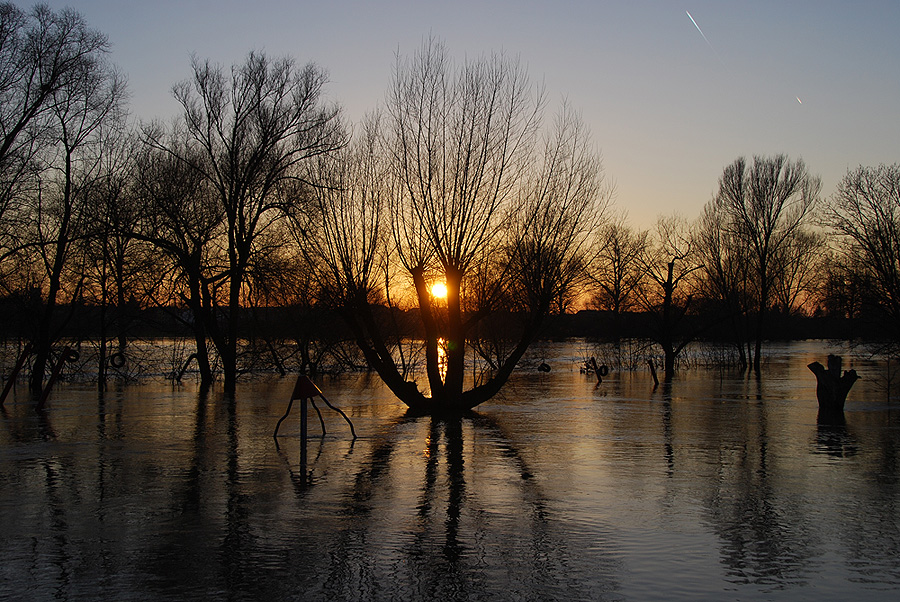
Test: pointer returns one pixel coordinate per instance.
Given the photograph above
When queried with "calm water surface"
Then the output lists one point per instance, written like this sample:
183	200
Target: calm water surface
719	487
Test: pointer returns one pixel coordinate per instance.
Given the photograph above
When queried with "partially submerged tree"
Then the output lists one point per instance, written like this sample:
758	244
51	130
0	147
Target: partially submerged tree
249	134
182	222
457	180
52	74
766	203
116	267
725	281
350	249
865	212
86	110
668	261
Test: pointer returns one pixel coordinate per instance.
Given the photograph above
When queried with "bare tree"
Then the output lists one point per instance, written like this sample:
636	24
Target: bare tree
798	270
617	270
846	282
725	283
667	292
116	266
351	247
468	192
289	317
250	134
44	58
184	223
766	203
41	54
86	110
865	212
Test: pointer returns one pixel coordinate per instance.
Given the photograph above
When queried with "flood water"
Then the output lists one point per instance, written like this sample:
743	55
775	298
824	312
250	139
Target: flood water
718	487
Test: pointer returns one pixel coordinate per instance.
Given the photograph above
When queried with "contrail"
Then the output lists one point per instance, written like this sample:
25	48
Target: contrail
705	39
700	30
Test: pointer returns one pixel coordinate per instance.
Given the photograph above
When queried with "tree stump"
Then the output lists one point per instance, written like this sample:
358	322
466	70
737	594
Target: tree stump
832	387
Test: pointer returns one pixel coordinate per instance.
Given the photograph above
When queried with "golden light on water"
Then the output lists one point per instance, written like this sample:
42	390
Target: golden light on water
439	289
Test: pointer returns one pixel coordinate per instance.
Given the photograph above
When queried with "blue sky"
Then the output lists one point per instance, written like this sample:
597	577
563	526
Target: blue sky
668	110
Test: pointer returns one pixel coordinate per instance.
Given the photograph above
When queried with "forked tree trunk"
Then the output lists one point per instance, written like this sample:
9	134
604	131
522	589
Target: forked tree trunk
832	387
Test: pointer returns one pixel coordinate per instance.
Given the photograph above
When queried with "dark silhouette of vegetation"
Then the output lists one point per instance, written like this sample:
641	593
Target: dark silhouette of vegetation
249	135
453	186
115	264
617	271
725	287
865	213
766	203
668	262
61	101
253	221
181	222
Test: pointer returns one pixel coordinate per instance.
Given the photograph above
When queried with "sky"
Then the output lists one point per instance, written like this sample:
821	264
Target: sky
673	91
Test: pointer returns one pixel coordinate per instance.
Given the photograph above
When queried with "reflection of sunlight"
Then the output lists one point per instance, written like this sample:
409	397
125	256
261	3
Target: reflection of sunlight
439	290
442	358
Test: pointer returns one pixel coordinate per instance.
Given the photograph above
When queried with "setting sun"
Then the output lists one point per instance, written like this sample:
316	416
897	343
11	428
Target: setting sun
439	290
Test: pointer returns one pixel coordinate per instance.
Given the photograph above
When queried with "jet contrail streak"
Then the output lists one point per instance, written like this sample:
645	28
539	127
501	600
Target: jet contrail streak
700	30
705	39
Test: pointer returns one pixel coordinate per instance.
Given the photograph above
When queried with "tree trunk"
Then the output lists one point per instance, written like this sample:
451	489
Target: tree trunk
199	326
456	340
229	352
669	361
101	360
432	334
43	342
832	387
760	319
121	310
757	352
203	366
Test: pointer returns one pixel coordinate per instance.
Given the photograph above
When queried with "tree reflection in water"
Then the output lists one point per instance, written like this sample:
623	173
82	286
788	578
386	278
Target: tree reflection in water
462	519
709	488
832	435
459	546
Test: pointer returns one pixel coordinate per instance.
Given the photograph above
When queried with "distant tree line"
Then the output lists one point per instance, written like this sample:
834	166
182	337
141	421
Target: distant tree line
259	200
766	246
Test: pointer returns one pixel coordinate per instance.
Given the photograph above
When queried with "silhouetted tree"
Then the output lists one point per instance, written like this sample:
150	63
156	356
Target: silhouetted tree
669	260
725	281
283	296
843	293
42	53
766	203
617	270
350	247
457	181
798	270
116	267
250	133
44	58
865	212
85	110
184	223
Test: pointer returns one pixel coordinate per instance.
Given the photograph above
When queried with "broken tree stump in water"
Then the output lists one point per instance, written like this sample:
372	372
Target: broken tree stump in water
831	386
